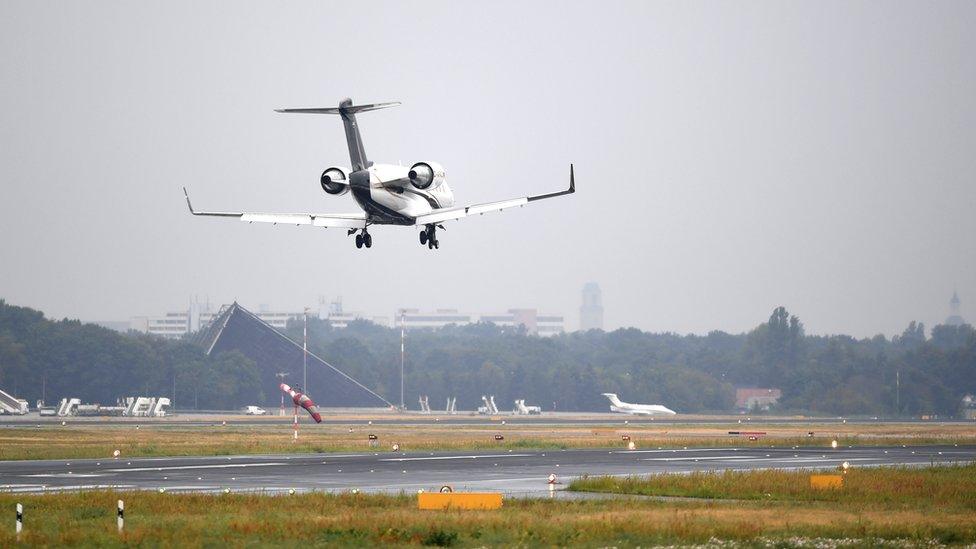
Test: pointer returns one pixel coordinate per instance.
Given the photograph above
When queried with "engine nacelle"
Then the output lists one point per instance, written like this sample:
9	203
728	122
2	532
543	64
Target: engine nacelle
426	175
335	181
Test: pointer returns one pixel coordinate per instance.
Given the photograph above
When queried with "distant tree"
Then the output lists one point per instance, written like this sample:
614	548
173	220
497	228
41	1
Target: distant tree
945	336
12	362
913	336
817	374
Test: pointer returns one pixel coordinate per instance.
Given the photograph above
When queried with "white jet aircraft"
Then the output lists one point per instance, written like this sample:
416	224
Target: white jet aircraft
388	194
616	405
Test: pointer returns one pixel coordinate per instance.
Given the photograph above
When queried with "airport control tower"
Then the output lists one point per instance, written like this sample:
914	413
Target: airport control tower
591	311
955	319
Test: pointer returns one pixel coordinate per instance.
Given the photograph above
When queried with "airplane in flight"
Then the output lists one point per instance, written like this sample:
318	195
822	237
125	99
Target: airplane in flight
616	405
415	196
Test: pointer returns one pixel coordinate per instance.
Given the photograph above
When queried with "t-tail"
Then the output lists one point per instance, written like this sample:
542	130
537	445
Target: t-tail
613	399
346	110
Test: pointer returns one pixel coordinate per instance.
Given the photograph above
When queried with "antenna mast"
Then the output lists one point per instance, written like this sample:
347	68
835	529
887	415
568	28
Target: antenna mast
402	348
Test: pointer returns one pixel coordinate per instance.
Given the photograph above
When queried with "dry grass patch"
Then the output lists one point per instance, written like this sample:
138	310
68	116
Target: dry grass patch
91	440
188	520
943	487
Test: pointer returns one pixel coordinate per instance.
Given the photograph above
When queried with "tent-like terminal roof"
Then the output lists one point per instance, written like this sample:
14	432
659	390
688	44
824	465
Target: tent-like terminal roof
237	329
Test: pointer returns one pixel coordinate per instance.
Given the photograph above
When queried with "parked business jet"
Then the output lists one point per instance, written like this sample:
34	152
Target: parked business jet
616	405
389	195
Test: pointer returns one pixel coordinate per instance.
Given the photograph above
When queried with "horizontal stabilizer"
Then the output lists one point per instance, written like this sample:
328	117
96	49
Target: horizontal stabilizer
351	109
346	110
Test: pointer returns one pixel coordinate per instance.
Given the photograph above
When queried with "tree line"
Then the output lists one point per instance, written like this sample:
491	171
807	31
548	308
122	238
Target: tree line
913	373
910	374
51	360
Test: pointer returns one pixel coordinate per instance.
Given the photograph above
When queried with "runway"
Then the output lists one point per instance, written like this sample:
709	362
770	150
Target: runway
515	473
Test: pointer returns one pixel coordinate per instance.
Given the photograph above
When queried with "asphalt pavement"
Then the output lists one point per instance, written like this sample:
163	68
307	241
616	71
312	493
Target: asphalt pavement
517	473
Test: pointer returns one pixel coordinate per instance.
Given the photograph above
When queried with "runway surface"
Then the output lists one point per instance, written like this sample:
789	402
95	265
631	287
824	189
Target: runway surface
516	473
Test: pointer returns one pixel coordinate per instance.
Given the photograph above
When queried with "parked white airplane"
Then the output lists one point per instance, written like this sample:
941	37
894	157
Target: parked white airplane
388	194
616	405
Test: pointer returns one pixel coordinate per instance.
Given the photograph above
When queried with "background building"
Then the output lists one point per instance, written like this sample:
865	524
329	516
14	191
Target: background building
756	398
535	323
954	319
176	324
591	311
969	407
338	317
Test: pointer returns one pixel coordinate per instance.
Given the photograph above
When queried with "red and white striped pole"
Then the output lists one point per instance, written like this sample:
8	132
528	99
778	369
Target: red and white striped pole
296	423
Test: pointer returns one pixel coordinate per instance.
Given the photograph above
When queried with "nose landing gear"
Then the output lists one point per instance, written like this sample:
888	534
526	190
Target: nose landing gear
429	237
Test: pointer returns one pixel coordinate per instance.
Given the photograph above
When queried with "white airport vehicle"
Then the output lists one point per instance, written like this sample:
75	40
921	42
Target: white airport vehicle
12	405
68	407
414	196
254	411
490	408
145	406
616	405
522	409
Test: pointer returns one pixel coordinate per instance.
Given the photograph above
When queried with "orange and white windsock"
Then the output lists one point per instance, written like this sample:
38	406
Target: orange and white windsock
302	400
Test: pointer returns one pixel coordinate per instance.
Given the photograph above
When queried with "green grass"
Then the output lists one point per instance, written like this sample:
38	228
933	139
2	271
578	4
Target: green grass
317	519
943	487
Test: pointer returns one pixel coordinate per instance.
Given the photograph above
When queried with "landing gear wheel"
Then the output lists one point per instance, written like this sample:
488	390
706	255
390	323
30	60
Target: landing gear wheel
359	241
437	244
423	237
368	240
430	244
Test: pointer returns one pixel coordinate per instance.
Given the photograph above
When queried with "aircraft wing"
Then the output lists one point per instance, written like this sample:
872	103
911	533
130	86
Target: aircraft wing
449	214
346	221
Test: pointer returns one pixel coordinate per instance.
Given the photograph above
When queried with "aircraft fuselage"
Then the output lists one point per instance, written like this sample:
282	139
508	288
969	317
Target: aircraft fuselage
616	405
385	193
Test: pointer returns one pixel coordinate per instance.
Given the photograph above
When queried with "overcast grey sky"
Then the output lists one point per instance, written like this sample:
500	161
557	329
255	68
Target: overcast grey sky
730	156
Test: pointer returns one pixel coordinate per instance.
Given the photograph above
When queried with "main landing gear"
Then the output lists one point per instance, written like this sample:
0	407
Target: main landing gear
363	238
429	236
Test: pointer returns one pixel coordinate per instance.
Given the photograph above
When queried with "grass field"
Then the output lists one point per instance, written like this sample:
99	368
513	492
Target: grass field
941	488
925	508
90	440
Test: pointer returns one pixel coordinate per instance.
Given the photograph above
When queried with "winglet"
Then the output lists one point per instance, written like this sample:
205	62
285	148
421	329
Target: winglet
218	214
188	205
571	190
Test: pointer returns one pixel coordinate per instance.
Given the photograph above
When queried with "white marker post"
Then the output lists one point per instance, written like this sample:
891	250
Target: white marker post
20	519
296	423
121	515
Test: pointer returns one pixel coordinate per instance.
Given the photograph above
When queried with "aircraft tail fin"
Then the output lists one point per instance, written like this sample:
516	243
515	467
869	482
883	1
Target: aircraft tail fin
357	154
613	398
